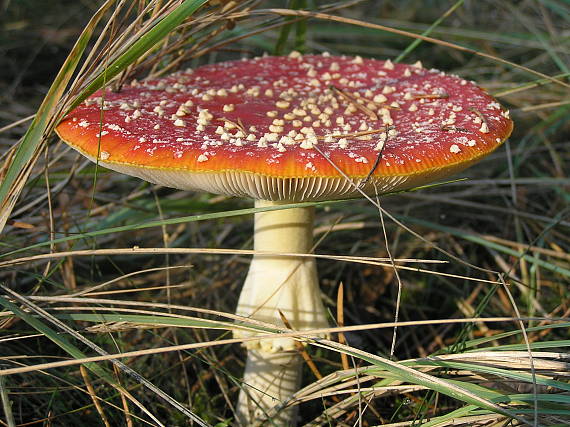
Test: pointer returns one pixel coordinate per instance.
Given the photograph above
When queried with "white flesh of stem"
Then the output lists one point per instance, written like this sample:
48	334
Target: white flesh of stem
278	283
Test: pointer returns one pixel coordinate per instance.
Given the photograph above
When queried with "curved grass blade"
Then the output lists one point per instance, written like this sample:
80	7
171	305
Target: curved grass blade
140	46
159	223
350	21
20	164
483	340
515	375
413	376
19	168
484	242
6	403
72	350
427	32
166	321
192	218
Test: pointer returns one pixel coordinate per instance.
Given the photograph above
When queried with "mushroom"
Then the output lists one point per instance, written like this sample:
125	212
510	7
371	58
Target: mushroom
288	129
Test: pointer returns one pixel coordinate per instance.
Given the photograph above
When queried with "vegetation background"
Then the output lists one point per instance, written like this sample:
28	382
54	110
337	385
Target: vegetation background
511	216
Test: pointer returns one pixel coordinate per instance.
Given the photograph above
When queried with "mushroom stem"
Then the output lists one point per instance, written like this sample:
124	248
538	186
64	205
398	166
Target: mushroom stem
278	283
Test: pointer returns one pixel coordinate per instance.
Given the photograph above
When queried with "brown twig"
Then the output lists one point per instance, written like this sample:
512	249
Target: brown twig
127	412
376	162
431	96
301	349
340	322
479	114
354	134
239	125
352	100
451	128
93	395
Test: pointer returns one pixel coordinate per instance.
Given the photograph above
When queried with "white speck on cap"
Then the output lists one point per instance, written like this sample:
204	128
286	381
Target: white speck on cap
380	98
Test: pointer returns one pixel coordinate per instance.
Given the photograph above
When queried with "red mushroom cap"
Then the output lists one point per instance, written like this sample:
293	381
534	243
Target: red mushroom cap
291	128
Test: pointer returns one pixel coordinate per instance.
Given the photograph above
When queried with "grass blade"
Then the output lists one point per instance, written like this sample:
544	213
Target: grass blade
140	46
427	32
413	376
78	354
19	167
21	163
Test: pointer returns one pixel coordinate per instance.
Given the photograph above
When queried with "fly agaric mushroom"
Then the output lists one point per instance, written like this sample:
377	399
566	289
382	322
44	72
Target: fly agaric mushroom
289	129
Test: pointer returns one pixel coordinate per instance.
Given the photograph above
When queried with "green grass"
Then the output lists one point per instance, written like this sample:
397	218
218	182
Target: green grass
502	235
